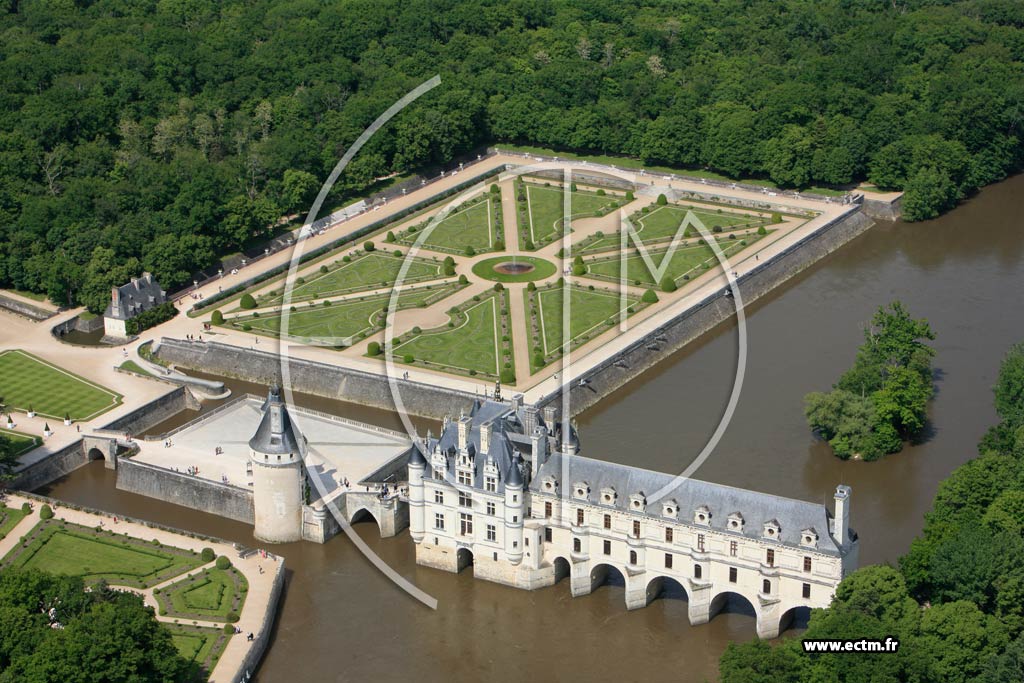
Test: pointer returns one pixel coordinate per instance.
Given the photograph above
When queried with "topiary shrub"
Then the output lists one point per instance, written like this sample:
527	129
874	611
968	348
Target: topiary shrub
246	327
207	555
390	237
498	286
668	285
247	301
649	297
223	562
531	287
232	617
217	318
662	200
373	349
229	629
463	280
26	508
761	230
629	195
46	512
323	270
508	376
369	246
776	218
495	189
408	359
470	251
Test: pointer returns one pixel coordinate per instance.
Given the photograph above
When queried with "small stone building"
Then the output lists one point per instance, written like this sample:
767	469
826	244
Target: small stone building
128	301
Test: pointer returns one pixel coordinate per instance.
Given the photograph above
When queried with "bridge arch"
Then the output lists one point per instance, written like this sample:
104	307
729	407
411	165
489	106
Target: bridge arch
605	574
363	514
667	588
463	559
563	569
95	454
794	617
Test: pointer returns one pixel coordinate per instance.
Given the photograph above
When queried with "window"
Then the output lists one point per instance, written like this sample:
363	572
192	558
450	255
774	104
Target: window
668	534
636	528
547	509
579	516
465	478
515	519
576	545
439	475
766	587
696	571
632	557
807	590
492	533
491	484
607	521
770	559
700	543
607	547
547	534
733	549
465	524
439	497
515	497
732	574
807	565
490	508
668	560
438	521
465	500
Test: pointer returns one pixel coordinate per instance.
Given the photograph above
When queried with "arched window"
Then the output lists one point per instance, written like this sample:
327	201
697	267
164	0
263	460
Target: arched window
696	571
632	557
766	587
576	545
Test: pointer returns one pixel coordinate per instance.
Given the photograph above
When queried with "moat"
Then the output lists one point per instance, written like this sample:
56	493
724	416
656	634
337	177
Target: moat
962	272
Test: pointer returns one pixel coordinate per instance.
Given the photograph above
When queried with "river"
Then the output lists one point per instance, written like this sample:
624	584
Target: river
342	621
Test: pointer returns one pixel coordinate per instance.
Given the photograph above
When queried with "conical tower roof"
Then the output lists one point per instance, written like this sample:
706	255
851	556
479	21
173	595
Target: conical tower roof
276	433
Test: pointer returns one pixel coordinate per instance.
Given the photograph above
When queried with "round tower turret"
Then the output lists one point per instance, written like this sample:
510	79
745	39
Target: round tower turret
277	474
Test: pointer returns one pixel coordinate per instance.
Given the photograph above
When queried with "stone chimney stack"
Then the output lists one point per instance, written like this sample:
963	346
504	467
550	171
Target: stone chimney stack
841	522
464	432
485	438
539	448
549	418
115	296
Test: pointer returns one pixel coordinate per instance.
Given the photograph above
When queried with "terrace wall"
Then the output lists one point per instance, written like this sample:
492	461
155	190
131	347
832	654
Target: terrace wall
154	412
183	489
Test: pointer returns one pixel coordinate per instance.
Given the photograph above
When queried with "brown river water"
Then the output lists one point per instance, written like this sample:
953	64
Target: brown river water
342	621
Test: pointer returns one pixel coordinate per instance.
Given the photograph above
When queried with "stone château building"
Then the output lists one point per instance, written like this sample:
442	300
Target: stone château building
505	490
128	301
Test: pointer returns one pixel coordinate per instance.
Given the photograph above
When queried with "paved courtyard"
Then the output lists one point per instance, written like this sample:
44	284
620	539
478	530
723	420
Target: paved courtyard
341	449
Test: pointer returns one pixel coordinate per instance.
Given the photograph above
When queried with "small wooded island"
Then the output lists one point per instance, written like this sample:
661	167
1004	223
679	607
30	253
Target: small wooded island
882	400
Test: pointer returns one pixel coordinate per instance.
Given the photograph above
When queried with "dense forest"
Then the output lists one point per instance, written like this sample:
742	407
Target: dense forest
159	134
956	601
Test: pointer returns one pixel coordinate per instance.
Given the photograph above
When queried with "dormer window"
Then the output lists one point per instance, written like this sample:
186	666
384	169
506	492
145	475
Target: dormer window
580	490
638	502
670	509
549	484
735	522
772	530
702	515
608	496
809	538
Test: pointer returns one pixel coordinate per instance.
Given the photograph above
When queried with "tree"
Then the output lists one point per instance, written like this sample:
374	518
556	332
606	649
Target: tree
649	297
247	301
298	189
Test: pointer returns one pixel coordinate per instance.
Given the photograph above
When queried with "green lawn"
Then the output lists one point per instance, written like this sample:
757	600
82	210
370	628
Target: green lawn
541	269
22	442
132	366
546	209
589	314
372	271
685	260
200	644
663	222
27	381
471	345
78	551
472	226
344	319
9	518
210	595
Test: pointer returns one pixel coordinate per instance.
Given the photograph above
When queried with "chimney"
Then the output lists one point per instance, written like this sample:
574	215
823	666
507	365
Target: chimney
549	418
115	296
841	523
464	432
530	419
539	448
485	438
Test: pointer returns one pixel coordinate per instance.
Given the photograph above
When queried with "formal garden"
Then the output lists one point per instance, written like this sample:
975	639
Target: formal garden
20	443
212	594
541	210
473	227
476	341
29	383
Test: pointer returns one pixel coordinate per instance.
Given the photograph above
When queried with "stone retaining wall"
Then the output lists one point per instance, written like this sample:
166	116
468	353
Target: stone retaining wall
715	309
154	412
53	466
262	639
311	377
183	489
883	210
77	324
23	309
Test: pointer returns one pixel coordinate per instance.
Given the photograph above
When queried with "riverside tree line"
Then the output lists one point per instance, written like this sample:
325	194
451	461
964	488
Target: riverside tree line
162	134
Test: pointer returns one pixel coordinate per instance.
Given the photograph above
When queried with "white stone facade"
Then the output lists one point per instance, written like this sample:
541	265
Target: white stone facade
528	532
